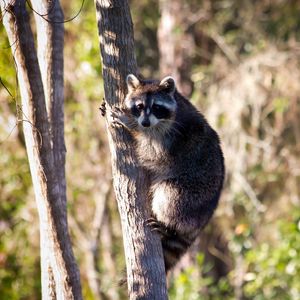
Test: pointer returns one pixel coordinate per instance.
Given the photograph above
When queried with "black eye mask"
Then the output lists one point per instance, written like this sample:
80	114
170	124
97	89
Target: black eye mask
160	112
135	111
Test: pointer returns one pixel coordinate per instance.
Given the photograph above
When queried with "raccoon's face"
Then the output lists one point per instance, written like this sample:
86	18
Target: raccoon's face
151	103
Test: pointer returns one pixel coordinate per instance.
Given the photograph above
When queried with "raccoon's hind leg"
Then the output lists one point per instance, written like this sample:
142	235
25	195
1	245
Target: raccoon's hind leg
174	244
160	228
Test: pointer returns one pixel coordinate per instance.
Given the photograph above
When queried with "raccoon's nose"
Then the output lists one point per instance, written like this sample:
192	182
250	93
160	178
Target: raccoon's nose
146	123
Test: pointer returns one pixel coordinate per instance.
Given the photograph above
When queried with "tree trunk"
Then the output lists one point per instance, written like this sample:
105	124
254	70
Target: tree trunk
50	40
176	43
143	251
60	276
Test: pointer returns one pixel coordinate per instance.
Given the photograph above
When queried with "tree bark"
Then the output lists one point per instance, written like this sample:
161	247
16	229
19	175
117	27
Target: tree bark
60	276
143	251
50	40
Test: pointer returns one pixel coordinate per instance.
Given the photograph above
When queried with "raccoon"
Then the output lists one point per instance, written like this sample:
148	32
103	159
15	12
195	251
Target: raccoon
182	154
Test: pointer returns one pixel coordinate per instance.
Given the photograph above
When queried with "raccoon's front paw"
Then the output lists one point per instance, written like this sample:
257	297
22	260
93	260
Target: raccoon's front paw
118	116
102	108
158	227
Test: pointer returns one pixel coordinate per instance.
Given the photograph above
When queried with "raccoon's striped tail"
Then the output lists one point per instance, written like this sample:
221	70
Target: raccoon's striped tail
174	244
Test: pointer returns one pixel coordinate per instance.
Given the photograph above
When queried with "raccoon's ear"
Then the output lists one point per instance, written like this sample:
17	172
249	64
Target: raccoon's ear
132	82
168	84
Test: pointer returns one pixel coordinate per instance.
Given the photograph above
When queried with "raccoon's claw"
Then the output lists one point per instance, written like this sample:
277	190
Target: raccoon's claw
102	108
158	227
116	123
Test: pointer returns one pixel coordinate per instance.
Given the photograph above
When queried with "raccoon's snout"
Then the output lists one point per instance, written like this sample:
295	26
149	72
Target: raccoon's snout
147	121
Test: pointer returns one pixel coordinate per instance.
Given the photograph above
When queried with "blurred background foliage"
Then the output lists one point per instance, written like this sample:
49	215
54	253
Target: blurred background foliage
239	62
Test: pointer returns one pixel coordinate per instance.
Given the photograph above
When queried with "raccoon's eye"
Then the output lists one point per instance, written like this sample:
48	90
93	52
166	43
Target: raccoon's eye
140	106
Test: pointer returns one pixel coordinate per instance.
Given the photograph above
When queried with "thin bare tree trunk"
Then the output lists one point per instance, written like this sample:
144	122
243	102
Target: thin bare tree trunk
89	242
143	252
60	276
50	40
107	254
176	43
